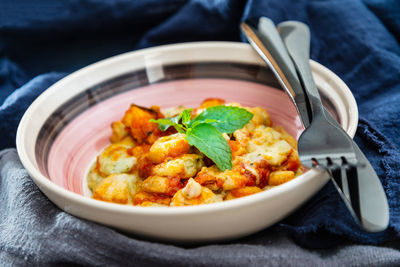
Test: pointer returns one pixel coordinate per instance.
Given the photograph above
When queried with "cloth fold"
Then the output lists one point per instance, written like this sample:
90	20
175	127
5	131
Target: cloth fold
358	40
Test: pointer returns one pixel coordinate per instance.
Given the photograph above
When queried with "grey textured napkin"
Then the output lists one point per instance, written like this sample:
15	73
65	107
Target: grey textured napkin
33	231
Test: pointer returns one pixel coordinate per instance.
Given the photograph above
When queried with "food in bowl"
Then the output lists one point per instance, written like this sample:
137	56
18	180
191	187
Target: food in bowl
179	157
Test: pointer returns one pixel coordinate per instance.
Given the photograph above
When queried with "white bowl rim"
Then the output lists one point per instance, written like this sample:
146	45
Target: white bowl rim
42	181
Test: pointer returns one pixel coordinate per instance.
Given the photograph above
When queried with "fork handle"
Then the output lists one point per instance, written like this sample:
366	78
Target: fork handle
296	36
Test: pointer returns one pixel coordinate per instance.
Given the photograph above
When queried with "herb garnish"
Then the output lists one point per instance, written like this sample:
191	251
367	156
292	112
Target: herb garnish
205	131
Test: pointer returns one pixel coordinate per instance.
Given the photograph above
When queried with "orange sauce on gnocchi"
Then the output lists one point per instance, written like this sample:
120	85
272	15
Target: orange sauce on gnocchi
149	167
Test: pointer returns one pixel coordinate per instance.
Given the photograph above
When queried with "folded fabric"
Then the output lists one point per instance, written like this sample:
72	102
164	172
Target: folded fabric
42	43
36	233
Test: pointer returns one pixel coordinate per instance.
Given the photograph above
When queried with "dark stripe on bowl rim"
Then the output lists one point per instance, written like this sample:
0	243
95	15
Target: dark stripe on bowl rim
73	107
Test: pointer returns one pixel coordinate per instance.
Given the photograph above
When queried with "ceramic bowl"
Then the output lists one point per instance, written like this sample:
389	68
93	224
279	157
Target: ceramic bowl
69	124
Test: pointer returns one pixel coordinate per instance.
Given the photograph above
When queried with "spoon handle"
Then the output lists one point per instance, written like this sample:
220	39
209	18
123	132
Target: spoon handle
268	44
296	36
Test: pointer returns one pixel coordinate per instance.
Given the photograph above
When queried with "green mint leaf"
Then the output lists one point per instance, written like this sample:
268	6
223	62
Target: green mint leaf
164	124
175	119
195	123
226	119
179	128
186	116
211	143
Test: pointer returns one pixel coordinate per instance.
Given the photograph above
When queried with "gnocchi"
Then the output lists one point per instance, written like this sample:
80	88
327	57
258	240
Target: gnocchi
144	166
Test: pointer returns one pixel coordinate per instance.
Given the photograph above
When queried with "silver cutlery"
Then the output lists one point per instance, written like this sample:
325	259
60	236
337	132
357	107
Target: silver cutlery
323	143
279	62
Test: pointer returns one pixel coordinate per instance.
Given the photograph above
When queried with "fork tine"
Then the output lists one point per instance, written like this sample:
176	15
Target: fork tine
352	181
336	172
310	162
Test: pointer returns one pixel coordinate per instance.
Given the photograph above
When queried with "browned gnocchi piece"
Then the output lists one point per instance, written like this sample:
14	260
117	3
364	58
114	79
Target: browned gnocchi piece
118	188
137	120
150	199
185	166
242	192
119	131
194	194
280	177
168	146
156	184
116	158
215	179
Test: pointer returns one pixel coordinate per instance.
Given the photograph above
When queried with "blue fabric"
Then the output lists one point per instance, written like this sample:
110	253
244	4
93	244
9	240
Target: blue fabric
358	40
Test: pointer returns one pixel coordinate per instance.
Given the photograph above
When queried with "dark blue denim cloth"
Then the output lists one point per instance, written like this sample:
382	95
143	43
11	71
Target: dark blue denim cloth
42	41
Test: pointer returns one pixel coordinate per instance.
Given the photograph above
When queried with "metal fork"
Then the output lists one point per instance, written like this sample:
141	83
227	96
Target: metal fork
322	144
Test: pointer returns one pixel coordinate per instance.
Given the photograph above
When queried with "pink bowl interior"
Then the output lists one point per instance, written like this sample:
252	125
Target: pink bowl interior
78	144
